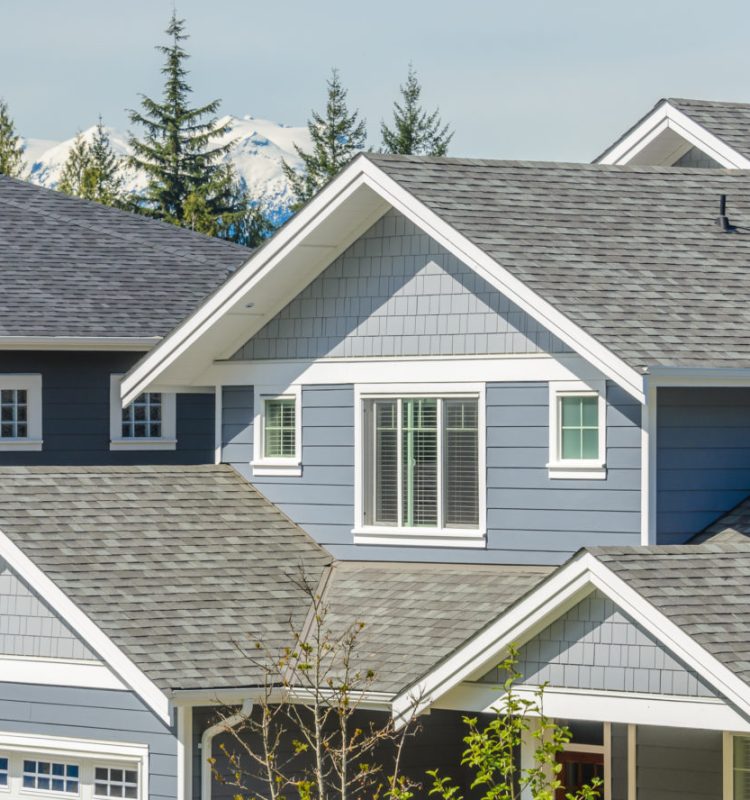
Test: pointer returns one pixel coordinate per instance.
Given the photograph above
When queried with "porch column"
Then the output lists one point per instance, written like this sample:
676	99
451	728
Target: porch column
632	771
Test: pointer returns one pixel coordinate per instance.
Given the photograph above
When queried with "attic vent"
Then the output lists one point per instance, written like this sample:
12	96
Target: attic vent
723	220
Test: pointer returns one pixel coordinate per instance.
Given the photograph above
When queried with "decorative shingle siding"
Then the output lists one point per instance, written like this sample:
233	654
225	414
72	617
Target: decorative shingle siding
29	628
596	646
696	158
103	714
703	458
397	292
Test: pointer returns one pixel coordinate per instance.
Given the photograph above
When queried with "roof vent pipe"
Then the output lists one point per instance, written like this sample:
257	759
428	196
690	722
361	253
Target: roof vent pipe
723	220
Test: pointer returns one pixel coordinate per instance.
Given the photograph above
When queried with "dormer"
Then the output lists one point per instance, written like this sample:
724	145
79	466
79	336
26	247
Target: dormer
686	133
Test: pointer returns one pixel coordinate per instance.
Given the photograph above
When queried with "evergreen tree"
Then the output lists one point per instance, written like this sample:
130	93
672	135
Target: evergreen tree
414	132
11	149
93	171
336	137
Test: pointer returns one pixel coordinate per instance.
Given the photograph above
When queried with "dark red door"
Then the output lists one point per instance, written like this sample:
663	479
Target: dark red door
578	770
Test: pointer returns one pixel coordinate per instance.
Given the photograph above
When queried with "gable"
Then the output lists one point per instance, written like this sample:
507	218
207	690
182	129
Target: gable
597	646
397	292
29	629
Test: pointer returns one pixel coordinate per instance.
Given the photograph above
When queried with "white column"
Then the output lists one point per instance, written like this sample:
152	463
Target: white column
632	767
185	753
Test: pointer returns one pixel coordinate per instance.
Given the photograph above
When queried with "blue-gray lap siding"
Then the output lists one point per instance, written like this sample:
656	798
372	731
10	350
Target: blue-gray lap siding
531	518
703	458
75	412
596	646
100	714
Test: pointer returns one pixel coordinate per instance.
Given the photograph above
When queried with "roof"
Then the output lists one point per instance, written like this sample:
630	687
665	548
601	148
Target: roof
630	254
177	565
732	528
73	268
730	122
416	614
704	589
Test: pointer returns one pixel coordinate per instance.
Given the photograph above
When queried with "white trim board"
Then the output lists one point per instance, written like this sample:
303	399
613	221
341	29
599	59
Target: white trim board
557	594
361	192
58	672
84	627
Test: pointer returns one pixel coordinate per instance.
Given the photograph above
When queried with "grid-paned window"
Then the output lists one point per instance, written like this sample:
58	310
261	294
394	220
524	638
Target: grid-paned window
422	462
741	771
142	419
115	782
14	409
3	771
280	428
579	427
50	776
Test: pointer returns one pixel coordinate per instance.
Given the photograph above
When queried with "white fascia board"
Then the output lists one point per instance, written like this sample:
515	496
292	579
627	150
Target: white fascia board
629	708
81	624
234	293
555	596
666	116
127	343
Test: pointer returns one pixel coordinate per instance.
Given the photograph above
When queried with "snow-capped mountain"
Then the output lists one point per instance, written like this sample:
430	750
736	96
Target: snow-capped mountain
259	148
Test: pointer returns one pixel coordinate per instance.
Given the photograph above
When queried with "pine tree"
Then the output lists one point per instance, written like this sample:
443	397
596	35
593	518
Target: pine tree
336	137
415	132
178	151
93	171
11	149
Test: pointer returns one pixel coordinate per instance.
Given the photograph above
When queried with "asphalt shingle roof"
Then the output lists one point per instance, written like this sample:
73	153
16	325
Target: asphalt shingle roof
730	122
177	565
704	588
632	255
732	528
69	267
415	615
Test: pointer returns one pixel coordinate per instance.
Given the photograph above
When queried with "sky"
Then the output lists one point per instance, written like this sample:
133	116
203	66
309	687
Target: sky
529	79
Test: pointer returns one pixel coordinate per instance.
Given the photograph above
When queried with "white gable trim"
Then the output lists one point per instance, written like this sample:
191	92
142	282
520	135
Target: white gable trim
554	597
232	297
80	623
667	117
58	672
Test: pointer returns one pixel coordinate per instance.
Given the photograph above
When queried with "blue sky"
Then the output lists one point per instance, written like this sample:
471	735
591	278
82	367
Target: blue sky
538	79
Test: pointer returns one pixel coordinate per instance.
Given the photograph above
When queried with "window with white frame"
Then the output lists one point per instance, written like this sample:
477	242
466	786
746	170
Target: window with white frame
115	782
741	767
277	432
20	412
421	466
577	427
148	423
51	776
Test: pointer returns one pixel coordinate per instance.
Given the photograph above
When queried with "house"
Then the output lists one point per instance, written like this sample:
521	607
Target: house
480	403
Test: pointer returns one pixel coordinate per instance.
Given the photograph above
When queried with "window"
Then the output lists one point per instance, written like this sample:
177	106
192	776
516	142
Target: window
148	423
577	430
741	767
20	412
50	776
421	469
115	782
4	771
277	431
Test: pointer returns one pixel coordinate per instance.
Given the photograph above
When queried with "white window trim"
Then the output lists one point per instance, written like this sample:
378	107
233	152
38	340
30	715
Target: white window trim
33	386
583	469
96	753
262	466
419	537
168	439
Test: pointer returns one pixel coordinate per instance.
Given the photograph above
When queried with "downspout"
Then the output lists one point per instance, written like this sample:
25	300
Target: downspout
207	745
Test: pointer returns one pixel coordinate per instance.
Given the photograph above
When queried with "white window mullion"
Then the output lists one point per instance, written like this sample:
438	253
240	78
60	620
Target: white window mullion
399	463
439	463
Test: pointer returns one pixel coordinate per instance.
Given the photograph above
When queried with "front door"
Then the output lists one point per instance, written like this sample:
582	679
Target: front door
578	769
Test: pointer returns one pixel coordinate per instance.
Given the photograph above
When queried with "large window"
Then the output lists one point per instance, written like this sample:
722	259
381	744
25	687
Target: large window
148	423
421	462
20	412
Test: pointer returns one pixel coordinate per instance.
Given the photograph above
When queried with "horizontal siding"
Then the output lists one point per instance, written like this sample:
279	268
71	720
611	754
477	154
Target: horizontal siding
93	714
703	443
531	519
75	413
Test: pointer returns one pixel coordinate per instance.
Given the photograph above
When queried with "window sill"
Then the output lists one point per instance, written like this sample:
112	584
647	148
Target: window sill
420	537
577	470
7	445
143	444
285	468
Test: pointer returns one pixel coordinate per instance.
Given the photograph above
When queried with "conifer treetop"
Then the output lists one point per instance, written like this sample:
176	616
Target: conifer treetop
11	148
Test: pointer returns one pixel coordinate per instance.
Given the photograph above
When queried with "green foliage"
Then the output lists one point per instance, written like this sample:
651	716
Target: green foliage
337	136
492	750
93	171
414	131
189	183
11	149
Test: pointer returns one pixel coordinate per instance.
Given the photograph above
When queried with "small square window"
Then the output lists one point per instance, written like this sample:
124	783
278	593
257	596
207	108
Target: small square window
148	423
50	776
115	782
